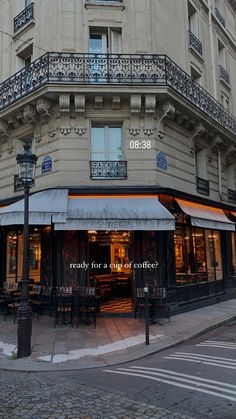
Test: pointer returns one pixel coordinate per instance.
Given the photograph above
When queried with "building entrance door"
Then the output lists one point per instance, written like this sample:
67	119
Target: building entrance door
110	266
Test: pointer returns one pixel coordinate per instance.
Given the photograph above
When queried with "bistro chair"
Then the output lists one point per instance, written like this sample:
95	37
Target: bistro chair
37	301
11	303
158	296
140	303
63	308
76	306
88	305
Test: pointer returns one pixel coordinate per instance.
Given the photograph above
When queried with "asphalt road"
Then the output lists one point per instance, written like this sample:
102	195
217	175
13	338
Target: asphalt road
196	379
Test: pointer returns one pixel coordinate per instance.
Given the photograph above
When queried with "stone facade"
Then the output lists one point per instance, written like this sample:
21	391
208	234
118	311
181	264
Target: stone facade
57	116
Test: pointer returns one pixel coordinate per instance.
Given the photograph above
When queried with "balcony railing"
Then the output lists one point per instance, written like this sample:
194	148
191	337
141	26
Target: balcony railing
195	43
202	186
223	74
108	169
24	17
231	195
220	17
113	69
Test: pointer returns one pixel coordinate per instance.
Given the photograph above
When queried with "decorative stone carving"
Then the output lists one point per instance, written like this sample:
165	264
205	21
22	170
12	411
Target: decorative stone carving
135	108
4	129
43	106
29	113
52	132
64	104
115	102
10	145
215	144
98	102
150	106
80	114
198	131
167	110
16	120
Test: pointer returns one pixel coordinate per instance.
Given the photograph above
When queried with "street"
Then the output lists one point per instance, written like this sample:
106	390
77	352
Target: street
193	380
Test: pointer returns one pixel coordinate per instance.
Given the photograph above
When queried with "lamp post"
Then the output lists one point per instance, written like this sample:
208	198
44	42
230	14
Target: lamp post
26	163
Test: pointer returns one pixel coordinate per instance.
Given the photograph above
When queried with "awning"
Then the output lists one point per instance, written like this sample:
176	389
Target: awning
116	213
44	207
205	216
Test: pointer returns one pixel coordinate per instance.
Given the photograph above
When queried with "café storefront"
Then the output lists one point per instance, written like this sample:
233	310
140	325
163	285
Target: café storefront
75	240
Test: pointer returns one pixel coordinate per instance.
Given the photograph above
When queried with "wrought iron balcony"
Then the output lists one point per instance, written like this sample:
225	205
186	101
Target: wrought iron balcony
223	75
113	69
202	186
108	169
220	17
24	17
231	195
195	43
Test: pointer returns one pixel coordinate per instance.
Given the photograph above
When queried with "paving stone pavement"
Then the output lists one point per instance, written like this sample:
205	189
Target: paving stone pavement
47	396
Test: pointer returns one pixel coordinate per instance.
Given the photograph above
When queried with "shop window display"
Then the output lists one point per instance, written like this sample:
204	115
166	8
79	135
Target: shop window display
197	255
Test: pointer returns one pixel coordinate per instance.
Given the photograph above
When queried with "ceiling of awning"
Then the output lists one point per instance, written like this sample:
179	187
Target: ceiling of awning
206	216
117	213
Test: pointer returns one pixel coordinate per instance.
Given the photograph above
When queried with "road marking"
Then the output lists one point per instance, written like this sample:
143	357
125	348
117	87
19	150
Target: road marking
202	362
218	344
181	374
220	341
205	359
159	377
206	356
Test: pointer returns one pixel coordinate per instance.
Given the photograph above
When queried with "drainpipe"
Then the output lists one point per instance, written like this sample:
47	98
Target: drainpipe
213	68
220	174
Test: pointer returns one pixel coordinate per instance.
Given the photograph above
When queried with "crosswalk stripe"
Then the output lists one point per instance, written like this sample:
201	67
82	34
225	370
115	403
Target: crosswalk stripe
202	358
158	379
220	341
181	374
211	345
203	362
206	356
182	379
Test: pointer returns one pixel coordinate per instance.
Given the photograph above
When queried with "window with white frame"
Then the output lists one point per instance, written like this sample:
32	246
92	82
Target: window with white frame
106	142
192	19
200	160
231	176
105	40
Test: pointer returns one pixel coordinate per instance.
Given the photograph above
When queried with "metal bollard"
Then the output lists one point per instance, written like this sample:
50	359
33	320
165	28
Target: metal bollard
146	293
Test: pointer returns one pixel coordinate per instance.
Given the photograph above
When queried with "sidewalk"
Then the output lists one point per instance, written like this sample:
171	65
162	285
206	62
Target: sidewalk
115	340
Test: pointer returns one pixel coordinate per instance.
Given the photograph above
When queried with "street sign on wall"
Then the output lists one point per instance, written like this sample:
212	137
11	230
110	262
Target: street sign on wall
46	164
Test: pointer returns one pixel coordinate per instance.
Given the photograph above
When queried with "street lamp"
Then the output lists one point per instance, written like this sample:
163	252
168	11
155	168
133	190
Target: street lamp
26	163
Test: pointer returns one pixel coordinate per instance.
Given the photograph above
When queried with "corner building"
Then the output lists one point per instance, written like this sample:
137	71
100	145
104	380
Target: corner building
130	108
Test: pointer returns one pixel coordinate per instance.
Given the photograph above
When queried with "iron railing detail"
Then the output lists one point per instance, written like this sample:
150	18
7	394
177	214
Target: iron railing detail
23	17
220	17
108	169
223	74
18	185
231	195
113	69
202	186
195	43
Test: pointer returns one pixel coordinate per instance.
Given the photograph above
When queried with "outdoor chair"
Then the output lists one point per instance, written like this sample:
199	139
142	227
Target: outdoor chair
11	304
140	303
37	302
88	306
63	309
161	308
